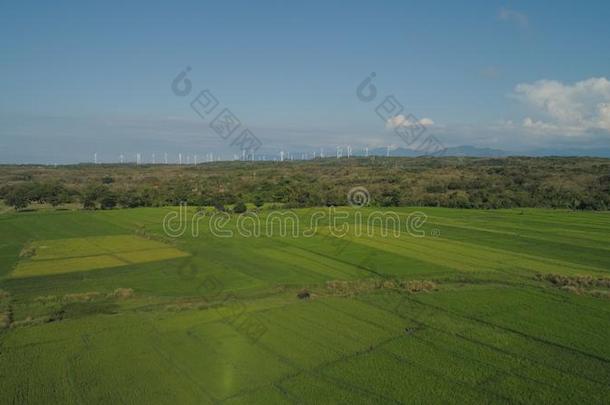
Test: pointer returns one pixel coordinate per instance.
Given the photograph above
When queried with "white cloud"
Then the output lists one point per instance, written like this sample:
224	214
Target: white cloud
426	122
542	127
407	121
507	14
569	109
604	115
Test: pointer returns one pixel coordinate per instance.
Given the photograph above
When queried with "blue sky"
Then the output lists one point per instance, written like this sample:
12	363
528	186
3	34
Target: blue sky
80	78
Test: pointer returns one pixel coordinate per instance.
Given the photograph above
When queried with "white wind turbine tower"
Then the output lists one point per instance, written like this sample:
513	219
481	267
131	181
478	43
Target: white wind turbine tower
122	158
321	153
95	158
281	156
339	152
195	160
366	151
153	159
179	158
349	151
165	157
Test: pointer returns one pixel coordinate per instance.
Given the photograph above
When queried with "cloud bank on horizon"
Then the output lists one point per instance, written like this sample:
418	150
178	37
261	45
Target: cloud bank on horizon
567	109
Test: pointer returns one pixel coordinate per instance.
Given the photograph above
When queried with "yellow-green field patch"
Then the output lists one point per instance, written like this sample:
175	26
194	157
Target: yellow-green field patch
81	254
142	256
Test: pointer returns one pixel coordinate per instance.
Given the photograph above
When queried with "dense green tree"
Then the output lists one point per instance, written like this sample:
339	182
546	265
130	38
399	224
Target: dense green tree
18	198
108	201
258	201
240	208
390	198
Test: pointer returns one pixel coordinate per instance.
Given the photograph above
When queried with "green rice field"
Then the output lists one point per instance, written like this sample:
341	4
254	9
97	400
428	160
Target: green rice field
476	306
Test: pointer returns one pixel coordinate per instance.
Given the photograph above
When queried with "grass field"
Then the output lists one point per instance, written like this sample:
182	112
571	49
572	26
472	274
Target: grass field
503	306
57	256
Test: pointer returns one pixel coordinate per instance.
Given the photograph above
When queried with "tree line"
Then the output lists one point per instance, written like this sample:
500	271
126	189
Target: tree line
575	183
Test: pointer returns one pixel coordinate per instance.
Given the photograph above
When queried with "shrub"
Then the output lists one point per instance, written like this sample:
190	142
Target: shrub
108	202
46	299
107	179
240	208
601	294
578	284
27	251
82	297
349	288
303	294
17	198
123	293
419	286
258	201
5	320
